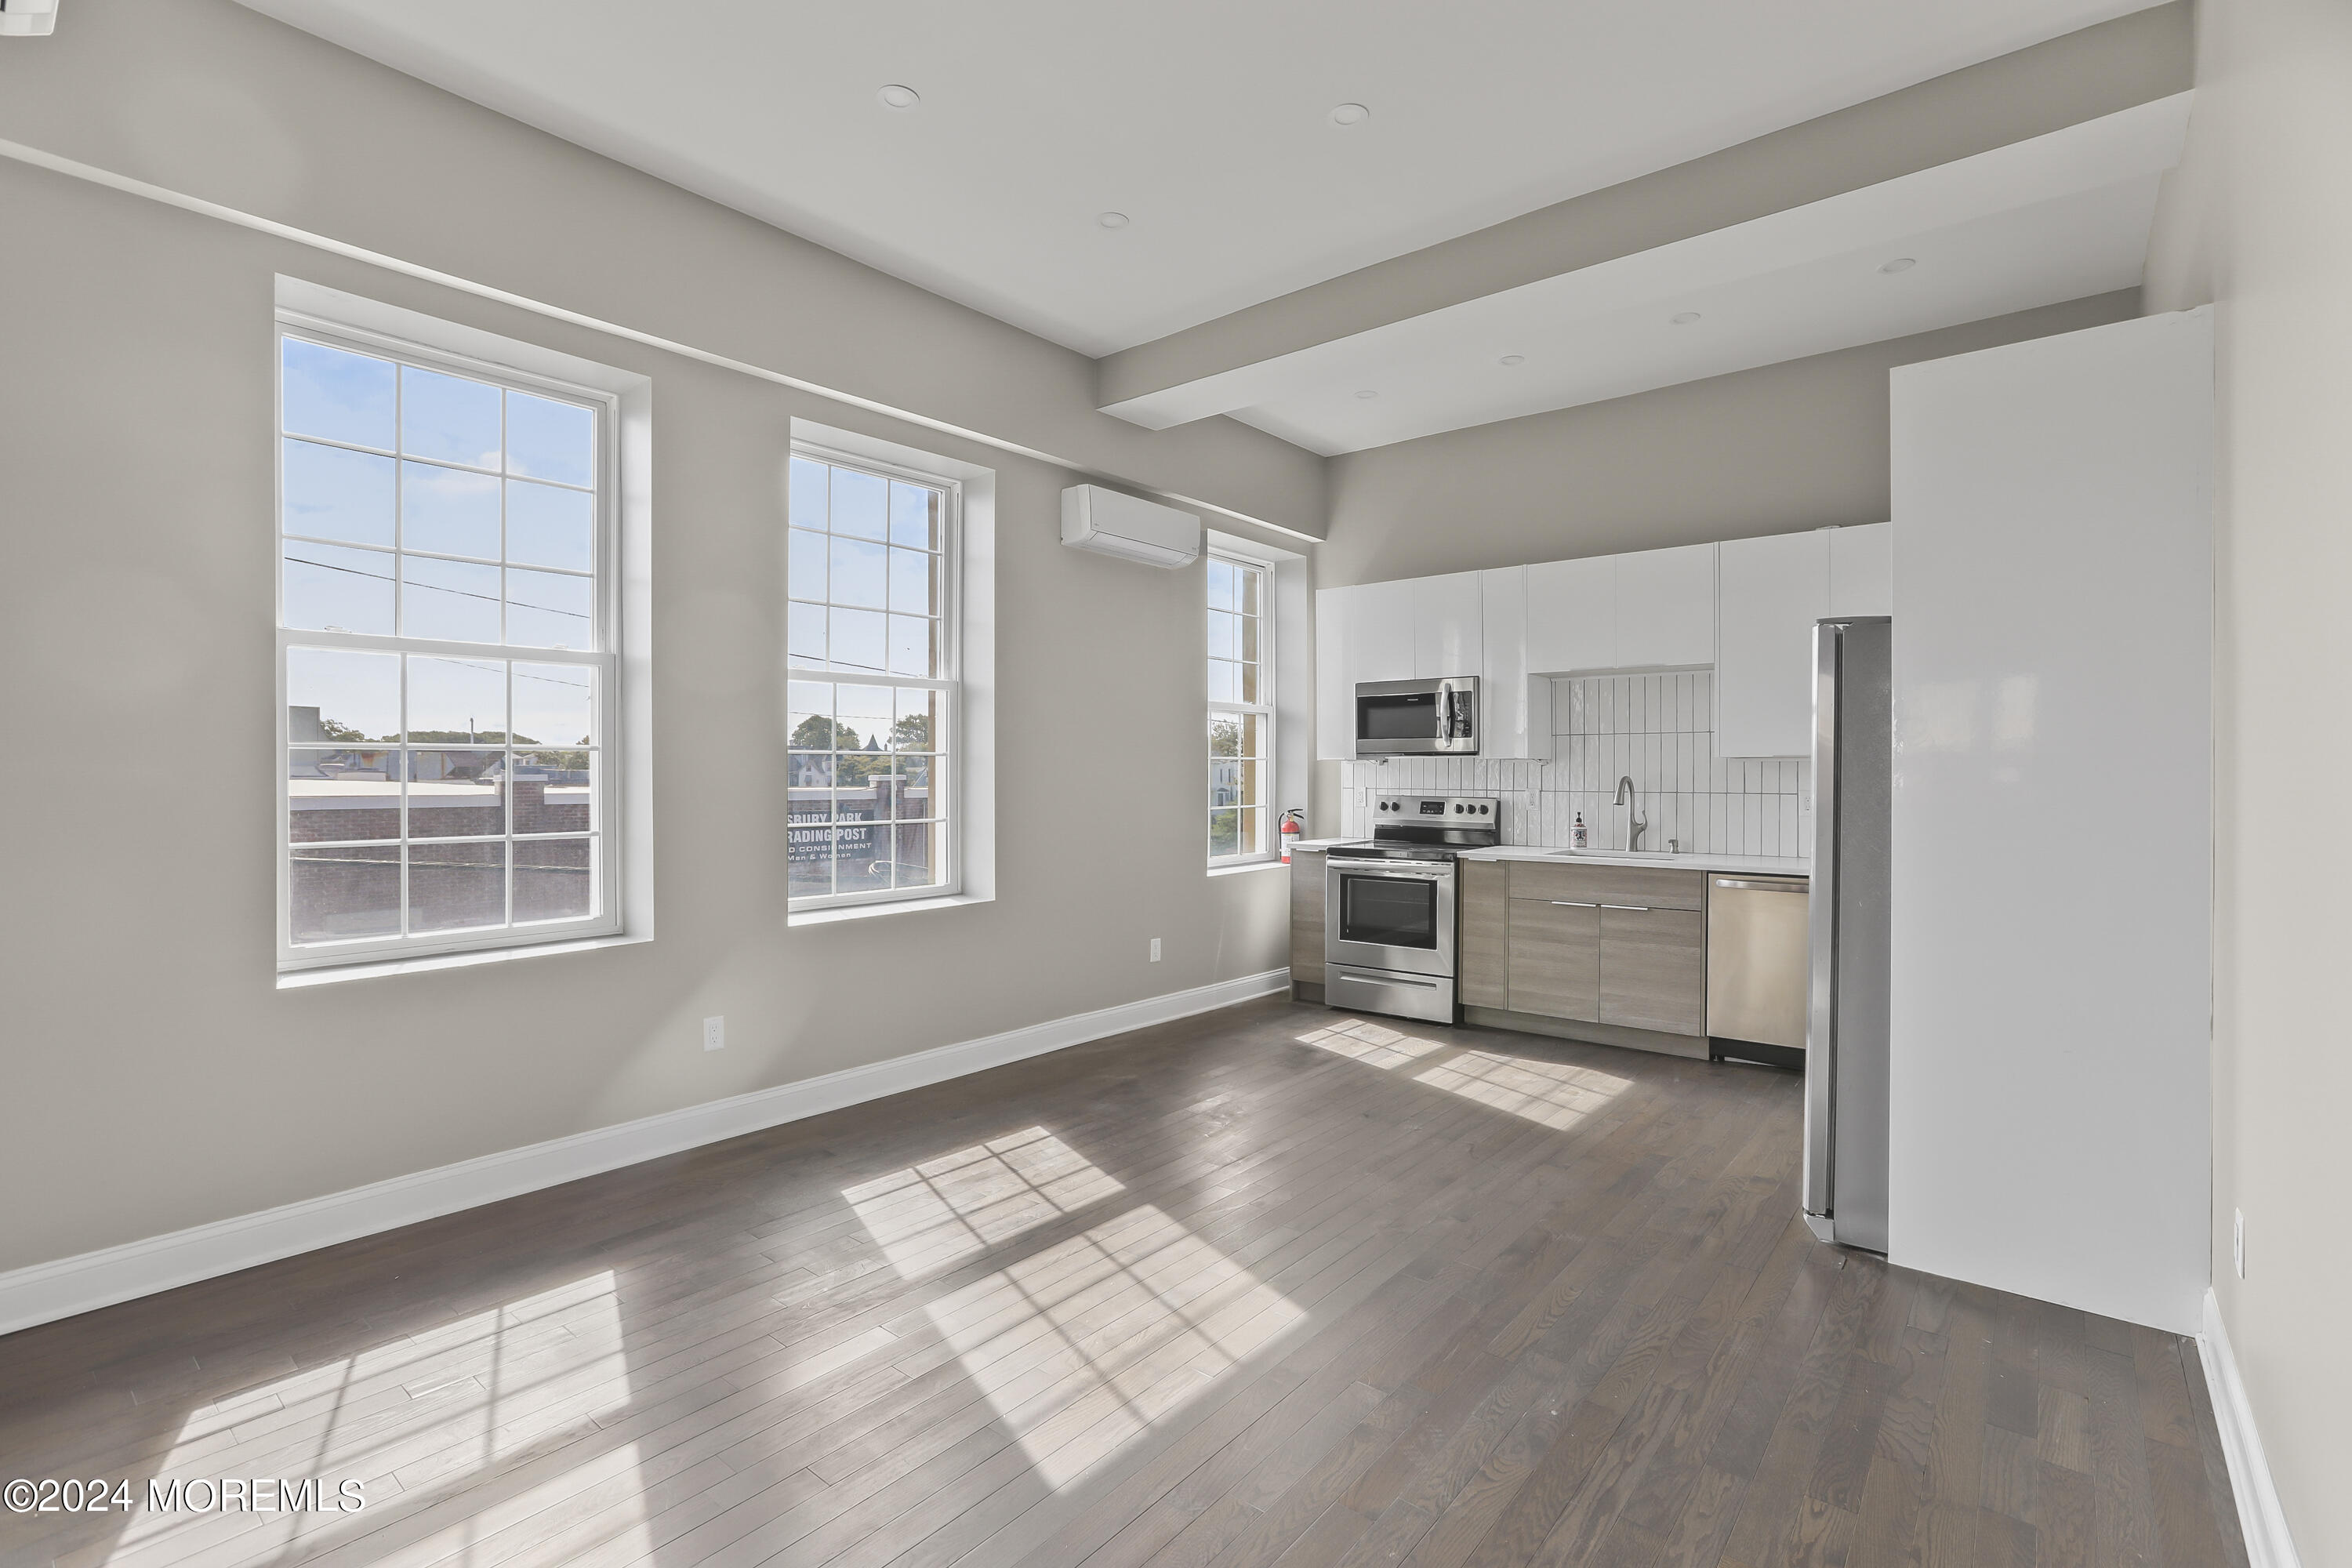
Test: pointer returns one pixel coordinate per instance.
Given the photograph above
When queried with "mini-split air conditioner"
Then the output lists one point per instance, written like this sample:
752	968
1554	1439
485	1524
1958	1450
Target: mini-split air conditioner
1131	529
27	18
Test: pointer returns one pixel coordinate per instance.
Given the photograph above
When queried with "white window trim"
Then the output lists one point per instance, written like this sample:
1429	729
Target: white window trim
1269	688
624	834
949	767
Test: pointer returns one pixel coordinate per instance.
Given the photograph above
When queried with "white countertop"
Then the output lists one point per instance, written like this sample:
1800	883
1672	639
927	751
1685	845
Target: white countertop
1754	865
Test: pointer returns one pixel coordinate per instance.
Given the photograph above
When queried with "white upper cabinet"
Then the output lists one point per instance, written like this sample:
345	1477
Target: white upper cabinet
1770	592
1374	641
1402	630
1572	614
1665	607
1446	631
1335	690
1861	570
1746	607
1380	634
1514	702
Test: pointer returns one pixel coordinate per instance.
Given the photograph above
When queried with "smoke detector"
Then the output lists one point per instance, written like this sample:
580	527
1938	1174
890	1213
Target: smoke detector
27	18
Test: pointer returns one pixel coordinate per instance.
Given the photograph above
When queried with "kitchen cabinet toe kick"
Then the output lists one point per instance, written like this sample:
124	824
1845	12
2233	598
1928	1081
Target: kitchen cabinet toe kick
1591	1033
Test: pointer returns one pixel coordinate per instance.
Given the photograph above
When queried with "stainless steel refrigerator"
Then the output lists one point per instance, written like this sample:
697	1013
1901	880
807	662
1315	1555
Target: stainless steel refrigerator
1846	1028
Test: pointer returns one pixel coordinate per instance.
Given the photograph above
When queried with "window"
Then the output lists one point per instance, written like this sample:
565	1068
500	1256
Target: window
873	693
446	650
1241	708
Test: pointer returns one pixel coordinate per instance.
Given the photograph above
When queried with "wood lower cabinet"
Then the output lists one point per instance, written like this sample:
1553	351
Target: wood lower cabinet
1653	969
1307	917
1555	959
1618	946
1483	891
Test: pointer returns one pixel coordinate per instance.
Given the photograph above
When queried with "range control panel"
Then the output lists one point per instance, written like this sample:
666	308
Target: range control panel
1451	810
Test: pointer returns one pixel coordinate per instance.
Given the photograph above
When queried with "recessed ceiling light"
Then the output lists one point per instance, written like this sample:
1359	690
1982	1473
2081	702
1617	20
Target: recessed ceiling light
1368	394
1900	264
1515	359
1350	115
895	96
1683	318
1113	220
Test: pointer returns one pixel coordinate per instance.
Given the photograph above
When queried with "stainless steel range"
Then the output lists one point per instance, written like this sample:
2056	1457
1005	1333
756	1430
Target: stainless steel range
1388	919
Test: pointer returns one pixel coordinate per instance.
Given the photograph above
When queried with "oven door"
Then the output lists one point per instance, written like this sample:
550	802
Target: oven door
1396	915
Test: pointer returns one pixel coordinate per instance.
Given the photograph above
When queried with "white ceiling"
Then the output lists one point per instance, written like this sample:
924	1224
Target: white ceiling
2058	216
1205	120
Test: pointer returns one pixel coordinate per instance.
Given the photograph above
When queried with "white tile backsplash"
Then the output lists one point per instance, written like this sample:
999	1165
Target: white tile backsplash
1657	729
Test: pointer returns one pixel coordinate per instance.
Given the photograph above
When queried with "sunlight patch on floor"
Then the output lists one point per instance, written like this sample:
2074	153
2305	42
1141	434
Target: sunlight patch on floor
1083	1346
947	1209
1373	1044
1554	1094
417	1413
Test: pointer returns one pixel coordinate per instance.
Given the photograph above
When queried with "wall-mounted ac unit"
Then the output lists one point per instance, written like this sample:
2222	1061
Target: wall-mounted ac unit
27	18
1133	529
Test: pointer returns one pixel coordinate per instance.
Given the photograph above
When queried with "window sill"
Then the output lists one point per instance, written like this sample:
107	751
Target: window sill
886	907
1275	863
335	974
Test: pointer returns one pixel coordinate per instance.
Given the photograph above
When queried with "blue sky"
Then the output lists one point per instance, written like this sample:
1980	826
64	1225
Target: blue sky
530	540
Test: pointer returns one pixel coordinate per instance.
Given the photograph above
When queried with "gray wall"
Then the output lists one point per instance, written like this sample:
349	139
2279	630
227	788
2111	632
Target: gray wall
157	1077
2256	221
210	99
1771	450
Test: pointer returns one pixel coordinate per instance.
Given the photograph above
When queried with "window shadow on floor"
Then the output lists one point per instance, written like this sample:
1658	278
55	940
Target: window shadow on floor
930	1324
1554	1094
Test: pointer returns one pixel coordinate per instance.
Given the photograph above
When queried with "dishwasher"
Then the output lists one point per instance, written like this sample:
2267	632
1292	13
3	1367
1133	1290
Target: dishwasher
1758	964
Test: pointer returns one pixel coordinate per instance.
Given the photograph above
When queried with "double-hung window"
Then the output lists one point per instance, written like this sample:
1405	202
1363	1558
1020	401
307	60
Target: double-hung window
446	653
873	698
1241	709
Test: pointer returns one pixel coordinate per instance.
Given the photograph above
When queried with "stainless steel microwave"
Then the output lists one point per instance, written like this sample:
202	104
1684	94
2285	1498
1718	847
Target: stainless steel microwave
1418	718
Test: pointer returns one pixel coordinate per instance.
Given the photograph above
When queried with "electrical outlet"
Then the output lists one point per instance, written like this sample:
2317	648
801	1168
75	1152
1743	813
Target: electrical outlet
1155	950
714	1034
2237	1240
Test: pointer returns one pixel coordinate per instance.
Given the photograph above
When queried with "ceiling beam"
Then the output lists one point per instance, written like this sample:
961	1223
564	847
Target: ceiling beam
2134	59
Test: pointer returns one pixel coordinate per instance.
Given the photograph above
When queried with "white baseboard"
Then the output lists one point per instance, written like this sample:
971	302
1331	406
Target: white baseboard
2259	1513
61	1289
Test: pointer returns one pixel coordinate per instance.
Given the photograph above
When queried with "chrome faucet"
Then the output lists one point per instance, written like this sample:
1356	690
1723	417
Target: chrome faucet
1634	826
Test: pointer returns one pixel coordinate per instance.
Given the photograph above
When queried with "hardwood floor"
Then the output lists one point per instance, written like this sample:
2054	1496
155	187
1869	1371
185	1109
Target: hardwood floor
1268	1284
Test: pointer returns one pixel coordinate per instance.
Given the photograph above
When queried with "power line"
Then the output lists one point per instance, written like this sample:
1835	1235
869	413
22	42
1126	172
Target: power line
519	675
437	588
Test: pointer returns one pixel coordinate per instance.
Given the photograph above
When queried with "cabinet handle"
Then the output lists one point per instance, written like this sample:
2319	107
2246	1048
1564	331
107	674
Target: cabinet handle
1635	908
1571	904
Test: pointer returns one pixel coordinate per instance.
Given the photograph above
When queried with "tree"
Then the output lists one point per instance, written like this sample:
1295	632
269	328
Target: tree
912	733
859	766
467	738
818	733
860	761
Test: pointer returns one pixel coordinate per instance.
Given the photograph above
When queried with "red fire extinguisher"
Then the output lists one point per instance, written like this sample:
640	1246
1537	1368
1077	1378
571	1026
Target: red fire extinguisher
1294	827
